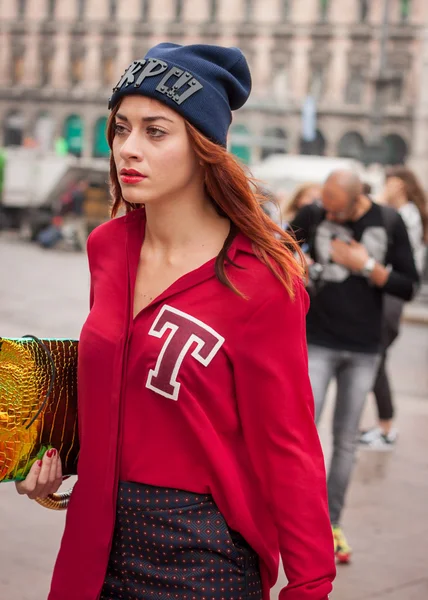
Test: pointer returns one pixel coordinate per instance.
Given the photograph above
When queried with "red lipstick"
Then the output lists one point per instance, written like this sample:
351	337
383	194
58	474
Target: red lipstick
131	176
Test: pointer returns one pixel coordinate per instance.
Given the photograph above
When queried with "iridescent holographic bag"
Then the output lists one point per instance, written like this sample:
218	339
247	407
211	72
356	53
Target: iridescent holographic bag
38	407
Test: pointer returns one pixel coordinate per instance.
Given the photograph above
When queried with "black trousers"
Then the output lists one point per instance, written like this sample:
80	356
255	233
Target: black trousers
171	544
393	308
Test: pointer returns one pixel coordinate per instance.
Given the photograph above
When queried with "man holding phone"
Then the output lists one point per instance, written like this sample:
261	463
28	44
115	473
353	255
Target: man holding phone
359	250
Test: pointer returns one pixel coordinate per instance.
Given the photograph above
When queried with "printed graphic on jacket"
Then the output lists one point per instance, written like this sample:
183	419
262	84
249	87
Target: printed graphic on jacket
184	332
374	239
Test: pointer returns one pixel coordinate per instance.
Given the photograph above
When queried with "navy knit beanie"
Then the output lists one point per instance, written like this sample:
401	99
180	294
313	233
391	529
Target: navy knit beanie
201	82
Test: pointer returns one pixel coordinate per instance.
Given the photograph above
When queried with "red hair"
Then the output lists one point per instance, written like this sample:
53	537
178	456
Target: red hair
234	196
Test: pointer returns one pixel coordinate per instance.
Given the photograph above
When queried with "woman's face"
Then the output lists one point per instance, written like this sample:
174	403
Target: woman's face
152	151
393	191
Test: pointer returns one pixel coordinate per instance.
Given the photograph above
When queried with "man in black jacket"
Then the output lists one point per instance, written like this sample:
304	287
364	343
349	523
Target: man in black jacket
359	251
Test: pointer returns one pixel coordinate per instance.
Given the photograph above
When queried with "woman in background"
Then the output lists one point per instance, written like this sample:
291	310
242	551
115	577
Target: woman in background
404	193
303	195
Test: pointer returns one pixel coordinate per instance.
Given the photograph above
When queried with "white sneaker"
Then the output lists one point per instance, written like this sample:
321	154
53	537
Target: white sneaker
375	439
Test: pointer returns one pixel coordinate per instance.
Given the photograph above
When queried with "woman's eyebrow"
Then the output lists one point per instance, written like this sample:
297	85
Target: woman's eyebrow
156	118
144	119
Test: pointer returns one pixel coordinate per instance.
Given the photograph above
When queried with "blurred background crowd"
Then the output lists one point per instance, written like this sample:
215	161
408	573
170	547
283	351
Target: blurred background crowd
332	79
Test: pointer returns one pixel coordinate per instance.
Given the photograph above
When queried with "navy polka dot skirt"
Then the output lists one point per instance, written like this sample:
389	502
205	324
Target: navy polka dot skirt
170	544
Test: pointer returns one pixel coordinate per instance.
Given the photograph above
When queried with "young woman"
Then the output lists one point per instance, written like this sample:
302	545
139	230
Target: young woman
199	462
404	193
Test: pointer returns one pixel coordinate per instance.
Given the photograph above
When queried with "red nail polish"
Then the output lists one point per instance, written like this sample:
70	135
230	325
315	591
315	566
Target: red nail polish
39	463
51	452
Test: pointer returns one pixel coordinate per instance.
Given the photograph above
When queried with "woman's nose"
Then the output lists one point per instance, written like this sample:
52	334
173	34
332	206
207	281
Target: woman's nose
131	148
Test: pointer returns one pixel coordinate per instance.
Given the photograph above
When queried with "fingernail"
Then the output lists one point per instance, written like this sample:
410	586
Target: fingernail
39	463
51	452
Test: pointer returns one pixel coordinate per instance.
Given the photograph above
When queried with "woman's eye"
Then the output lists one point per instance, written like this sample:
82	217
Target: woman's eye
119	129
155	132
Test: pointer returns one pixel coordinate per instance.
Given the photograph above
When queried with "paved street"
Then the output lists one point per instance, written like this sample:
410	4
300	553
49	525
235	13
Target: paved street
46	293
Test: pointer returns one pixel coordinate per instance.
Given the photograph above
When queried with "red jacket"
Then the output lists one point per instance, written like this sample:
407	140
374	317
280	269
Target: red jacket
204	391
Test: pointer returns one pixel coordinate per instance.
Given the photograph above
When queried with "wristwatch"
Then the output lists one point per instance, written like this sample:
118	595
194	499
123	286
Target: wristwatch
367	270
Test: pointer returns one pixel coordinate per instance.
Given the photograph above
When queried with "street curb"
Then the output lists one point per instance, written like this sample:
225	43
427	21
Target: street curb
415	320
416	316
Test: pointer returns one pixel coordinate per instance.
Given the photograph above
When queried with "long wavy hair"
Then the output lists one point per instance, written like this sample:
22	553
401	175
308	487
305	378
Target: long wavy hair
413	191
234	195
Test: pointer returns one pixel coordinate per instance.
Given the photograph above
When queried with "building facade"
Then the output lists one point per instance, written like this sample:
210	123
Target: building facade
357	71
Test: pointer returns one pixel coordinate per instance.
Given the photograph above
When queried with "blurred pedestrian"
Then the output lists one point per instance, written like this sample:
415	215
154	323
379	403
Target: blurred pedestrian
199	459
303	195
76	217
404	193
360	251
49	236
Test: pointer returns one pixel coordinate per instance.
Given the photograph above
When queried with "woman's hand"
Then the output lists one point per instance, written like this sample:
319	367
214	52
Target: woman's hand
44	478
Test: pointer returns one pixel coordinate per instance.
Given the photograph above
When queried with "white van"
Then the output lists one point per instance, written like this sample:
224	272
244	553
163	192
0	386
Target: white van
285	172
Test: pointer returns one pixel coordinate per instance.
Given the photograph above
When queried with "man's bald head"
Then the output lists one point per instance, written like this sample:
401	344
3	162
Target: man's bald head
347	180
340	195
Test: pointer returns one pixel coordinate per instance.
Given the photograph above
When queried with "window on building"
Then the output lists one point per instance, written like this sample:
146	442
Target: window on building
396	90
76	70
13	128
364	10
22	7
240	143
315	147
112	9
145	8
248	10
108	71
213	10
17	74
73	134
396	149
51	8
324	6
81	5
355	87
274	141
178	10
280	86
316	86
351	145
46	69
44	131
405	7
101	148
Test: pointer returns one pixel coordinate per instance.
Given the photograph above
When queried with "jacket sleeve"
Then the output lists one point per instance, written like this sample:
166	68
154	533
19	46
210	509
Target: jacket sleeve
276	408
403	279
